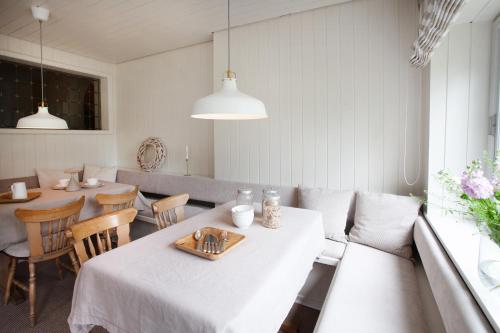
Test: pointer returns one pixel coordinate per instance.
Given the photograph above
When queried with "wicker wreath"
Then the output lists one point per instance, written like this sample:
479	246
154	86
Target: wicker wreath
160	154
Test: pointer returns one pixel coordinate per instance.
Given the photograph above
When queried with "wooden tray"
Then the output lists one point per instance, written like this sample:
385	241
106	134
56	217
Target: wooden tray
188	243
7	197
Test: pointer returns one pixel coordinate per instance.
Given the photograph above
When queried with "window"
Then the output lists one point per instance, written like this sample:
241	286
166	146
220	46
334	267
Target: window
75	98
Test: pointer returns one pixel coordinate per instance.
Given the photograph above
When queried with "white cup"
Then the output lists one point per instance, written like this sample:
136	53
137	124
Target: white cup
63	182
92	181
242	216
19	190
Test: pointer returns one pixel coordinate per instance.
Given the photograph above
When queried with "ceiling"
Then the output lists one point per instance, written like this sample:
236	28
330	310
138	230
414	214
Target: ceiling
479	10
115	31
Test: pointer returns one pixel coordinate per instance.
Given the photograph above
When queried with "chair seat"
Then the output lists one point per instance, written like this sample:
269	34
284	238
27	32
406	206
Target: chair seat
18	250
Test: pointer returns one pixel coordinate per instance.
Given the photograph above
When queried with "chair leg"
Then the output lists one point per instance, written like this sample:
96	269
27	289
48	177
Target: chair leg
32	292
59	268
10	278
72	257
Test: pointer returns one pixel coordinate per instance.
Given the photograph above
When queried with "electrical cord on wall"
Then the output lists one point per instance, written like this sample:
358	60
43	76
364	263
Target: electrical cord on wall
405	143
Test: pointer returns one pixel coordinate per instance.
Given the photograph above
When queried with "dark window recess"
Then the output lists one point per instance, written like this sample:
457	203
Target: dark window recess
75	98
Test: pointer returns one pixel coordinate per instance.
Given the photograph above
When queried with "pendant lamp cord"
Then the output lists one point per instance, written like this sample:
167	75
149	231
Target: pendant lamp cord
41	61
228	39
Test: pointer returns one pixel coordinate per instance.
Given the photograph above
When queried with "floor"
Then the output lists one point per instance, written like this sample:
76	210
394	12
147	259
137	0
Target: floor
54	300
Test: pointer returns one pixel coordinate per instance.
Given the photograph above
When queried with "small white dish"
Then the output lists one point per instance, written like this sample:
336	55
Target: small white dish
64	182
87	185
59	187
92	181
242	216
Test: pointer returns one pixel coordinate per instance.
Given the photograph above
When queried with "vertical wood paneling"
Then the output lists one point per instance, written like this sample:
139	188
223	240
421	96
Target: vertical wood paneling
320	100
296	98
348	146
333	98
391	82
331	80
361	94
156	96
458	102
284	104
376	95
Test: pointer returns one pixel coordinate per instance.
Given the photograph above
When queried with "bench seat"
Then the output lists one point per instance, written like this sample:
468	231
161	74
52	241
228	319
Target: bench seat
372	291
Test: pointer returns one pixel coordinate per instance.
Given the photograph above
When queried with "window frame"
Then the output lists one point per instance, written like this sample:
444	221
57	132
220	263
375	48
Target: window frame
106	100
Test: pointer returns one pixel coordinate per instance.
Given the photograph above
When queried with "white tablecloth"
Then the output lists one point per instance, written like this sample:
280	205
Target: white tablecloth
14	231
149	286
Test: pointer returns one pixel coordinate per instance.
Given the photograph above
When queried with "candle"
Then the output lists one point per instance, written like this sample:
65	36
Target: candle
187	152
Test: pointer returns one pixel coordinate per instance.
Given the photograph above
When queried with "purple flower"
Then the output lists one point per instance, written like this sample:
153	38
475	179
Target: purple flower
476	186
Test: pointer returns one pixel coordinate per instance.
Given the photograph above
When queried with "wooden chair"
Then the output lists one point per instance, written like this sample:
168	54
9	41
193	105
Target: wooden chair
82	233
112	202
170	210
46	241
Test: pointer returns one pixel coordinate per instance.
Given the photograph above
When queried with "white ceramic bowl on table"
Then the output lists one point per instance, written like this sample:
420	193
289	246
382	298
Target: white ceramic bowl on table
242	216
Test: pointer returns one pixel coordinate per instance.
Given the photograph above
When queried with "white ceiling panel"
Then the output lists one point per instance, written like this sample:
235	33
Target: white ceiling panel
478	10
120	30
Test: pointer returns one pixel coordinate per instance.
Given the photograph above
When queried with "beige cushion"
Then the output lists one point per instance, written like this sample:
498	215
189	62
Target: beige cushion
334	205
50	177
18	250
107	174
385	222
372	291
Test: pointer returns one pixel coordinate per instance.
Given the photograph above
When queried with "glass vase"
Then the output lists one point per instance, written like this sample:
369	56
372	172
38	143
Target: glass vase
489	260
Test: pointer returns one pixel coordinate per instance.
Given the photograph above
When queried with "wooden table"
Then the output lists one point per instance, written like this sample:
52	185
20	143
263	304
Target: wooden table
13	231
150	286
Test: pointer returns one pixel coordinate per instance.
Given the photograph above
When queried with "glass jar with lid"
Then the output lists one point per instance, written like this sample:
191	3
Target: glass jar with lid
271	211
265	192
244	197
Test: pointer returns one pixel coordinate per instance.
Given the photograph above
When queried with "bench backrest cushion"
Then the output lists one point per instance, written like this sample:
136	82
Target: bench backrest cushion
458	308
385	222
334	205
199	188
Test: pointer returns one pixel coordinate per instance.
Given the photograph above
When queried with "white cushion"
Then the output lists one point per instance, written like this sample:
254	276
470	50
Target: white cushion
18	250
372	291
107	174
385	222
334	205
50	177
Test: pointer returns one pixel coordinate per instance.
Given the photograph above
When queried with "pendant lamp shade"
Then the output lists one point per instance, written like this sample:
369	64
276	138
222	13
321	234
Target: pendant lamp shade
42	119
230	104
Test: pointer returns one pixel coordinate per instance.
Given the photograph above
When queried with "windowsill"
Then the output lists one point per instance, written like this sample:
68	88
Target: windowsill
62	132
460	239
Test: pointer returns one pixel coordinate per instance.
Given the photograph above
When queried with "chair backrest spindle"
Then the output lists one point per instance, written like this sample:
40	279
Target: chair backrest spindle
169	210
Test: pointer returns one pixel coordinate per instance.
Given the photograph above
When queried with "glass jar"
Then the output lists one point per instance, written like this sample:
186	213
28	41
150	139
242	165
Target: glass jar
265	193
271	211
244	197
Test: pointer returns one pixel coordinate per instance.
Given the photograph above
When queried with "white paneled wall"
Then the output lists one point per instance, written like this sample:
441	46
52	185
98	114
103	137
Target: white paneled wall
459	101
336	83
155	98
21	151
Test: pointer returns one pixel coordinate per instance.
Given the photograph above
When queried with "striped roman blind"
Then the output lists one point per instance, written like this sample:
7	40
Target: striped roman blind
435	19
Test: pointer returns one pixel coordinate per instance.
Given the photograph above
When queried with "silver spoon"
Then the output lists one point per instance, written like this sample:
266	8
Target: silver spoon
197	236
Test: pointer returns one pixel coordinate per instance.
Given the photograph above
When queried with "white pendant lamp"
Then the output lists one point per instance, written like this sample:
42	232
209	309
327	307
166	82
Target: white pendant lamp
229	103
42	119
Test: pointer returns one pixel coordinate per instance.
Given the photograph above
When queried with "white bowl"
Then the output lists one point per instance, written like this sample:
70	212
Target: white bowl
242	216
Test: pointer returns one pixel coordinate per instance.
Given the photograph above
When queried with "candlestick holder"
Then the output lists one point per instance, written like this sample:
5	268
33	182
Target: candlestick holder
187	168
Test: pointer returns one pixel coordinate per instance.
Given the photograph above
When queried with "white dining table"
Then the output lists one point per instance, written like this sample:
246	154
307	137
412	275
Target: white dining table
150	286
14	231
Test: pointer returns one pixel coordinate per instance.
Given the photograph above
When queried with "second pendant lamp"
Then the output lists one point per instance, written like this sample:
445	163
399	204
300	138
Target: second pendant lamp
229	103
